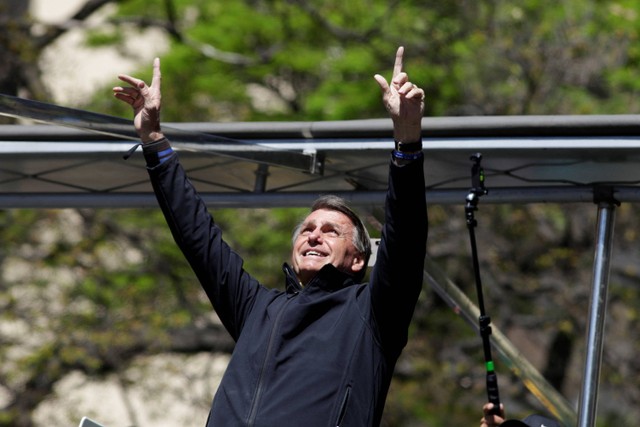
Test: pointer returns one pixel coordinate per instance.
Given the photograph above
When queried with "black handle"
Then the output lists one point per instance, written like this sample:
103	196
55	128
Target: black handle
492	391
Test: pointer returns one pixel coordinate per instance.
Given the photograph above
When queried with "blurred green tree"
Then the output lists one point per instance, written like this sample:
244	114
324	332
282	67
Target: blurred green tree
90	291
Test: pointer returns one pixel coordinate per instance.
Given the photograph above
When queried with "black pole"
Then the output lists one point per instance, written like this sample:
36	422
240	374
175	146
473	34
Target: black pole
477	190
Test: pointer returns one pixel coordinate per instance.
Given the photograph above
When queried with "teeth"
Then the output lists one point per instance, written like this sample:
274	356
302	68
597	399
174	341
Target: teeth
313	253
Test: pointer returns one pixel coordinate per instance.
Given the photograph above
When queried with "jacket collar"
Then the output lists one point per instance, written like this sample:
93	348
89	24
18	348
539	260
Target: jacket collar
328	278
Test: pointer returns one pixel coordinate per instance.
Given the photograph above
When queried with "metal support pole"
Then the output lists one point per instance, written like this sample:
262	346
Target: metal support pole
597	312
260	185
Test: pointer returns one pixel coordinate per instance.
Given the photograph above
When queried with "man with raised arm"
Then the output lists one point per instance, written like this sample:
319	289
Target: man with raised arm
322	352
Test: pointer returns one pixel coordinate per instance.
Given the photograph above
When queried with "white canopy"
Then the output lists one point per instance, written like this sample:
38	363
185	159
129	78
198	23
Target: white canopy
525	158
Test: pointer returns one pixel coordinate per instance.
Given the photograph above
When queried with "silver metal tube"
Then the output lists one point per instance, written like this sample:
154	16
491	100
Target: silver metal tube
597	314
270	199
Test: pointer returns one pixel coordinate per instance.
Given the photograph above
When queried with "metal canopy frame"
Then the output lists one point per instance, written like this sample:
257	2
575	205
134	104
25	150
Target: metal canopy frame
527	159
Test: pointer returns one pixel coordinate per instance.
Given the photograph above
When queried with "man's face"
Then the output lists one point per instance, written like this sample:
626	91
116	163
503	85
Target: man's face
325	237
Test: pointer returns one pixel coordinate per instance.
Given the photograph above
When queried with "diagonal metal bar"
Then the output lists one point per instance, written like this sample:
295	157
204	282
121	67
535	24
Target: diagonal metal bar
555	402
12	106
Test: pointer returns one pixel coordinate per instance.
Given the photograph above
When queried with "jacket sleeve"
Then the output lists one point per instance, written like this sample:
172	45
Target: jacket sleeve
219	269
396	279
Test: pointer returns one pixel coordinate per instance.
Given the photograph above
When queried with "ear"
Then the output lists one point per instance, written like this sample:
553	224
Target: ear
358	263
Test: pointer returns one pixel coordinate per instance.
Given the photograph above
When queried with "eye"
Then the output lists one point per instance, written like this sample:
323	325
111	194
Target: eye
330	231
306	230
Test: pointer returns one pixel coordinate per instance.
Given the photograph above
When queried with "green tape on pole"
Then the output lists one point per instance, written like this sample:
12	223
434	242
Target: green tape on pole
490	366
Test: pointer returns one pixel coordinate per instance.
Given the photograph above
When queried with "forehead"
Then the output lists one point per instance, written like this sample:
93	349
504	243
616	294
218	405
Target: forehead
327	216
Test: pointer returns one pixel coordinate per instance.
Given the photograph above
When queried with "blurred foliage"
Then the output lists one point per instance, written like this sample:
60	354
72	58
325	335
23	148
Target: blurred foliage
316	58
264	238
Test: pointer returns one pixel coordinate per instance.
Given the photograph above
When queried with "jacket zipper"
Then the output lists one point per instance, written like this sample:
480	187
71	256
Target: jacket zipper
251	419
343	407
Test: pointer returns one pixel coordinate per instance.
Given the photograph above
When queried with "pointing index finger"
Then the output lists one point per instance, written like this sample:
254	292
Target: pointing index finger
397	68
155	82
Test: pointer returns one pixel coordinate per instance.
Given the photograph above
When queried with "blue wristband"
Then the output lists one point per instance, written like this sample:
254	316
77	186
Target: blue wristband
407	156
164	154
157	152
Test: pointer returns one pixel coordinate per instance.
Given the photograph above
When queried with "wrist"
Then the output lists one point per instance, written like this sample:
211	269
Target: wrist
407	133
151	137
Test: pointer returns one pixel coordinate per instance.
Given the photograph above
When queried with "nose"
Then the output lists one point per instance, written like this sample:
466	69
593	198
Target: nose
315	236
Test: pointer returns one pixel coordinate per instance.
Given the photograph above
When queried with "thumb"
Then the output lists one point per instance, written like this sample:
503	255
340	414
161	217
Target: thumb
382	82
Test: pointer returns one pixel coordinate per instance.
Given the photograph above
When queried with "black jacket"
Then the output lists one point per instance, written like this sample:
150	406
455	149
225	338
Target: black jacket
322	355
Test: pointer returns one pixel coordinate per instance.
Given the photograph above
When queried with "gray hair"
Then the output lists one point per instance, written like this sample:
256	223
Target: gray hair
360	237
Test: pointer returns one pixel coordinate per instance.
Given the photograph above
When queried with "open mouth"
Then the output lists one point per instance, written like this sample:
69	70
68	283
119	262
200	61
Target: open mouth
314	254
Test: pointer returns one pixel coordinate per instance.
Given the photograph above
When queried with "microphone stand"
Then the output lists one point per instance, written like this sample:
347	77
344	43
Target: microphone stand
477	190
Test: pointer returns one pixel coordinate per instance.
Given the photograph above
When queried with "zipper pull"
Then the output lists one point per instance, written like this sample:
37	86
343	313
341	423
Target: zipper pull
131	151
